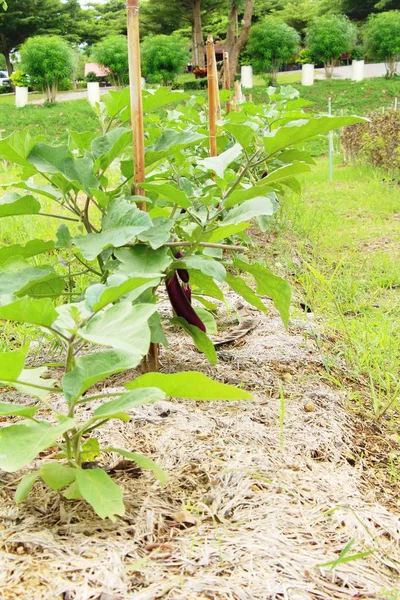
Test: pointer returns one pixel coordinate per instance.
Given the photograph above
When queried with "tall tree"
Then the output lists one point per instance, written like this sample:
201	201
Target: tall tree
236	37
25	18
359	10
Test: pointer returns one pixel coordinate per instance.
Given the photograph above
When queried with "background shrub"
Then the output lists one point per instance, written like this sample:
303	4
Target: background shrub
163	58
376	142
328	38
382	39
112	53
49	62
271	44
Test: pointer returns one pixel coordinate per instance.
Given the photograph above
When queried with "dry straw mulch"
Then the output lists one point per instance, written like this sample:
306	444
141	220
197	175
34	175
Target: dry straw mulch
251	510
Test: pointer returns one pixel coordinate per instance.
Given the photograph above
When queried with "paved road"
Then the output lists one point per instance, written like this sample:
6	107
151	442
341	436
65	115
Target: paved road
371	70
78	95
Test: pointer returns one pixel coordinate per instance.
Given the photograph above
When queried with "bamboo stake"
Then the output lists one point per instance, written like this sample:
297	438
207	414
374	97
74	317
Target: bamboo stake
227	80
238	95
135	85
212	95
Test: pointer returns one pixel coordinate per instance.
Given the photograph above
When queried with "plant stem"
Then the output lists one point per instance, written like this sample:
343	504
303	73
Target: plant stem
57	217
37	387
206	245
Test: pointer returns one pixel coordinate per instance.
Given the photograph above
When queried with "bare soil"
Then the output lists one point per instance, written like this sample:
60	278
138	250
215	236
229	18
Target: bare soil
261	494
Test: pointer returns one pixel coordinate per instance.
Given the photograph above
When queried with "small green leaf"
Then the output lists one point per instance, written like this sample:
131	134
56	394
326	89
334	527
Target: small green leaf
190	385
241	287
13	203
99	295
225	231
64	239
269	285
100	491
72	492
143	261
106	148
25	486
128	401
35	311
159	234
288	171
207	266
218	164
205	285
90	450
201	339
168	191
208	320
7	409
20	444
30	378
154	99
57	476
91	368
248	210
171	139
142	461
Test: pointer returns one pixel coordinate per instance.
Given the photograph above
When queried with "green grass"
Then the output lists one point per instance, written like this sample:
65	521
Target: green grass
50	121
347	96
340	243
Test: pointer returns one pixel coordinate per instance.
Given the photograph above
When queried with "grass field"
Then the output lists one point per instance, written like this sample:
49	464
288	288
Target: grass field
340	245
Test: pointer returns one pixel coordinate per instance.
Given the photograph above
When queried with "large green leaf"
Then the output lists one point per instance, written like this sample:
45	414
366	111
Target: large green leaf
153	99
142	461
8	409
168	191
108	147
116	101
13	203
218	164
81	139
128	401
200	339
249	209
25	486
225	231
19	279
189	384
304	129
99	295
19	444
122	224
57	476
159	234
11	365
241	287
254	191
269	285
142	261
28	310
41	189
206	285
244	134
287	171
59	159
16	147
122	326
207	266
31	248
171	139
30	379
92	368
100	491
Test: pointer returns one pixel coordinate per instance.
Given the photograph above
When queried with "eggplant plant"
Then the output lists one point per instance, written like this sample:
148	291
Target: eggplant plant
105	318
191	237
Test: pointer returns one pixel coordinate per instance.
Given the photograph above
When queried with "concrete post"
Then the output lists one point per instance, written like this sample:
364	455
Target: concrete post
93	90
246	76
21	97
357	70
307	74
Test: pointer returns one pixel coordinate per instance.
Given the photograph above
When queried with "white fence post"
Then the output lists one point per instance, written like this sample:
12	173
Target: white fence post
246	76
307	74
21	96
93	90
357	70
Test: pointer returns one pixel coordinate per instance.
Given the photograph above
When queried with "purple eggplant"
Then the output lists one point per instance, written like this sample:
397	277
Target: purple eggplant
188	292
181	304
183	273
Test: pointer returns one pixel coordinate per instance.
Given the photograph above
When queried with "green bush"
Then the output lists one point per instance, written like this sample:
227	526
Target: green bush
163	58
49	61
382	39
112	53
357	53
196	84
376	142
271	44
304	57
19	79
328	38
91	77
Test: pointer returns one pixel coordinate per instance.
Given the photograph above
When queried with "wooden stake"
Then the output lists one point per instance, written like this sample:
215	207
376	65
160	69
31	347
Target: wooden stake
212	95
135	85
227	80
238	95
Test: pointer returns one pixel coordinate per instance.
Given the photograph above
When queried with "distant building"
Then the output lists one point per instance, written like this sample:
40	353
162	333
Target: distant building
98	70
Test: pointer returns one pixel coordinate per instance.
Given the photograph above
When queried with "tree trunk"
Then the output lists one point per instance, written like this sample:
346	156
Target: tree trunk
8	63
198	50
236	43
